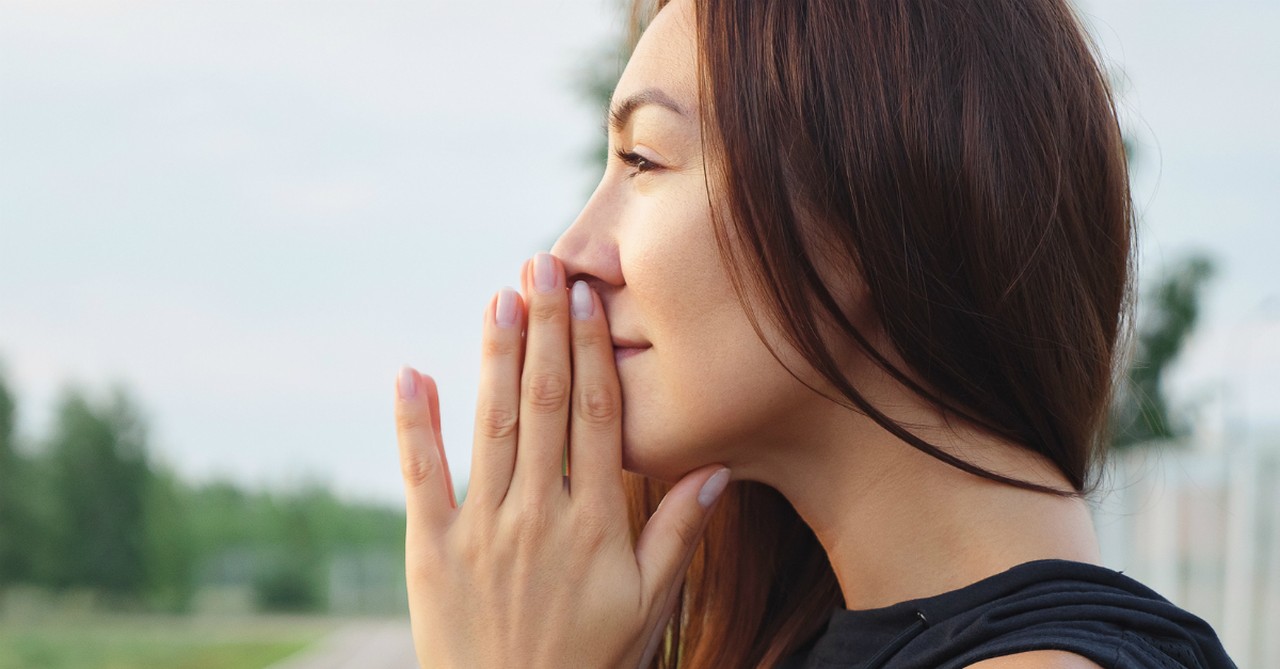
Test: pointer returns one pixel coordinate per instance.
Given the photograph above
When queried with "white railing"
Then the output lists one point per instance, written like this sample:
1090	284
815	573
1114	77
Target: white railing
1202	528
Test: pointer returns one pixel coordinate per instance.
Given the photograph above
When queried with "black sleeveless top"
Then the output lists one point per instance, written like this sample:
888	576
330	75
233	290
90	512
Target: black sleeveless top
1086	609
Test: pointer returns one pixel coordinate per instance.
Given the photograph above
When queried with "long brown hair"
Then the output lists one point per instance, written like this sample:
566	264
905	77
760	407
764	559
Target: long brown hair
964	161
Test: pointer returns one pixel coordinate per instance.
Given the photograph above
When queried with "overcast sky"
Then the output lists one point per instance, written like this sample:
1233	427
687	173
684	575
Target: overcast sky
251	213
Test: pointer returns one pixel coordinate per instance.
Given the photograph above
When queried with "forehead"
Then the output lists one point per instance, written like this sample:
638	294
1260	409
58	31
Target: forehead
665	57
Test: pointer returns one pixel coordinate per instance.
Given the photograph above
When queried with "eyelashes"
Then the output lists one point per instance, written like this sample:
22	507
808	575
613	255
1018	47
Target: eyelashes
635	160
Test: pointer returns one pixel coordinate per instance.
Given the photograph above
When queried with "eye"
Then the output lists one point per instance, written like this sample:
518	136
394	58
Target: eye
639	162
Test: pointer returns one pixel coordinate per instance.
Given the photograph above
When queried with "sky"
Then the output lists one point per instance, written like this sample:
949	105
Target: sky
250	214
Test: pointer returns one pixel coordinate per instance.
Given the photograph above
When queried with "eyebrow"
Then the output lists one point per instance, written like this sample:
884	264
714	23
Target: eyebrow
620	114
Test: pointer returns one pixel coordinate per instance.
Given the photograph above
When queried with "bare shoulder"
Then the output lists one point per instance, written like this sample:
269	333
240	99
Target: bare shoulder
1038	659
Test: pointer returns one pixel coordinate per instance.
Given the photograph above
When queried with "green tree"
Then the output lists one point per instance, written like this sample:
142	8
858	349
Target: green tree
168	544
1140	412
287	541
99	477
294	579
16	524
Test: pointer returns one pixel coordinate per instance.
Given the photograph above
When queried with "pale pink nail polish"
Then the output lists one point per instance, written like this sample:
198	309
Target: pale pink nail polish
544	273
583	304
713	487
505	314
408	383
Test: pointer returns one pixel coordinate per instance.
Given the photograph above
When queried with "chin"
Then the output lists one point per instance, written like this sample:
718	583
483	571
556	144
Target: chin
668	464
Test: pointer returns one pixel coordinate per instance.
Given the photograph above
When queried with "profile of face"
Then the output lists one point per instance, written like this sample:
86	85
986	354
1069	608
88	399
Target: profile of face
706	389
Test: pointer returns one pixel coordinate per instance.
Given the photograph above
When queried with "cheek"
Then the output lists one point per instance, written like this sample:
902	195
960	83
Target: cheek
708	390
711	393
687	309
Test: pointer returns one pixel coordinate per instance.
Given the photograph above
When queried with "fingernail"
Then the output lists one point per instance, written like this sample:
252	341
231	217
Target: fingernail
408	383
506	312
544	273
583	305
713	487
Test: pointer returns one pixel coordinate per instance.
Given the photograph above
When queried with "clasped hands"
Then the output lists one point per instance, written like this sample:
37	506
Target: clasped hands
538	569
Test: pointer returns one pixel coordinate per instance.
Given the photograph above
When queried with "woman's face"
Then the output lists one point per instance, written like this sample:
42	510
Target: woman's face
706	389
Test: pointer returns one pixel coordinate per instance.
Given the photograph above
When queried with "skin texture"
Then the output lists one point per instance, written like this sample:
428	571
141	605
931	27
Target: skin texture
644	241
528	573
532	572
1040	659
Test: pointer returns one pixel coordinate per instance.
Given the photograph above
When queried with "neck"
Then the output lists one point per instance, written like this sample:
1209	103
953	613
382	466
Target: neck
899	524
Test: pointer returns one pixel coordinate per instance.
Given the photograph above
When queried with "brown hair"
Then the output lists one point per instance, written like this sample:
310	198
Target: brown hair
963	160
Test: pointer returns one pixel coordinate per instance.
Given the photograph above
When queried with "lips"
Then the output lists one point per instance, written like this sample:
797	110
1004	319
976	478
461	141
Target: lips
625	348
619	342
620	354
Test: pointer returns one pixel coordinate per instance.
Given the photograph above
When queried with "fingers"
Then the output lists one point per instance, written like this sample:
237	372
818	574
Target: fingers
595	423
429	499
667	542
545	385
493	453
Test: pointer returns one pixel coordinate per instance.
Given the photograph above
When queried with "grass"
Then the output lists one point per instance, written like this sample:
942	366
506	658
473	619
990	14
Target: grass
141	642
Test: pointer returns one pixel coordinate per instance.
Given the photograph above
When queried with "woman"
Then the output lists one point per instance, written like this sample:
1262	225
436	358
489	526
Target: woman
872	263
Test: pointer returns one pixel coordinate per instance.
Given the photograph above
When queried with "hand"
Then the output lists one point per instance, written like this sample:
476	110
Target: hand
538	569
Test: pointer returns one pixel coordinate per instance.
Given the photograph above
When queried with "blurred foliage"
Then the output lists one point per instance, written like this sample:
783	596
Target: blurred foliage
87	510
98	479
284	588
171	555
1171	310
1167	316
16	517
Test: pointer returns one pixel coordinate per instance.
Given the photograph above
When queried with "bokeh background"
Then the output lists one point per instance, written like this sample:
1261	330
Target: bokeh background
224	226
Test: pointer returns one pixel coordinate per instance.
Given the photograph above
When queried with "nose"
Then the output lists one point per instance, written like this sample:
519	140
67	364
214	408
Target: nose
589	247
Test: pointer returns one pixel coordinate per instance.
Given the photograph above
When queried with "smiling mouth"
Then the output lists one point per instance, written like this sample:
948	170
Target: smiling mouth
620	352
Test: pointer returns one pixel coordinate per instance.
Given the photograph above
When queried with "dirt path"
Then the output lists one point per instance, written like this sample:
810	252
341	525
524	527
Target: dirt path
360	645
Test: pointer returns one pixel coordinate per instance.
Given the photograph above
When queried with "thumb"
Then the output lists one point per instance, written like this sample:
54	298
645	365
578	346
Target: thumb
667	543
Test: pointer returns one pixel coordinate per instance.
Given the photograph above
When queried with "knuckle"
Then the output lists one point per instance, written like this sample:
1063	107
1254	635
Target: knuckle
545	310
412	420
547	392
530	525
589	338
496	421
597	404
469	547
593	529
499	347
688	531
418	466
